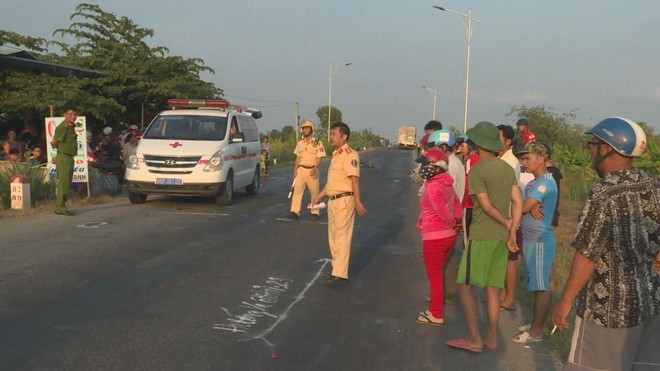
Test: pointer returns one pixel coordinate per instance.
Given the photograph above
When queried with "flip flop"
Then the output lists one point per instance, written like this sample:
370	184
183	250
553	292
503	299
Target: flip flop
490	348
523	328
524	338
462	344
503	308
425	319
526	327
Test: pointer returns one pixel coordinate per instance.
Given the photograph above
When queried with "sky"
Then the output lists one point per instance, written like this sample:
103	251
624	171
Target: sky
598	58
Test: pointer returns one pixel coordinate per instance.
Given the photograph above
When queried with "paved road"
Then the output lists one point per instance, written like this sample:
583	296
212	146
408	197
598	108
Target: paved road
181	284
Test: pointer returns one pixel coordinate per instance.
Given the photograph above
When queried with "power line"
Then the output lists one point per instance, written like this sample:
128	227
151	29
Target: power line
260	100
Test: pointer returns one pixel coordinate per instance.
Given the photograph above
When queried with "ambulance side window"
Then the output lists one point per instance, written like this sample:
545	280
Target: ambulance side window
249	128
234	127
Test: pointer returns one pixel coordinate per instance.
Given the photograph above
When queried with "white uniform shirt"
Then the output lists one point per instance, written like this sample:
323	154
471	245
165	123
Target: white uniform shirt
457	172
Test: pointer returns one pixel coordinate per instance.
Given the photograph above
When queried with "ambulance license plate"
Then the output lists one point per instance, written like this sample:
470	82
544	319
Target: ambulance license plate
169	181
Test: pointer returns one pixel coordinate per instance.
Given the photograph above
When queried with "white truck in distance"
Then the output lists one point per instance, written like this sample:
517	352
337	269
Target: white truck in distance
407	136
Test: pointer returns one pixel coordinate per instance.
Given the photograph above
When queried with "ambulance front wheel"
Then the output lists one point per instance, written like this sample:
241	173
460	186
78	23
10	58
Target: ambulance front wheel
136	198
253	188
227	192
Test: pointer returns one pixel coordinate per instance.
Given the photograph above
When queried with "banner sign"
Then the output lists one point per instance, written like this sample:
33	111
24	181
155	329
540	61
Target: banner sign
80	173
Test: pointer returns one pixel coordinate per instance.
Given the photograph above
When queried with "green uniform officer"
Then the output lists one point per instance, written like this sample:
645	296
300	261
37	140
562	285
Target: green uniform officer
66	143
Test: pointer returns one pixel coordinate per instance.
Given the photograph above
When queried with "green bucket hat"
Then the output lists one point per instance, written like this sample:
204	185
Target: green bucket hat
486	135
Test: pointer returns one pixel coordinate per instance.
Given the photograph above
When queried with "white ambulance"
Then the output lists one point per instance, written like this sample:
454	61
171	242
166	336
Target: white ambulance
197	148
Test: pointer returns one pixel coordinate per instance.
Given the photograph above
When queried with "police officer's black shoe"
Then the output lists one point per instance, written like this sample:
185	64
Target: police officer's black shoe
293	216
335	281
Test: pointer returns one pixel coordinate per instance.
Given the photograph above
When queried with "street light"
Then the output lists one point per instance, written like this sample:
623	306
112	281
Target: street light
468	30
332	69
435	96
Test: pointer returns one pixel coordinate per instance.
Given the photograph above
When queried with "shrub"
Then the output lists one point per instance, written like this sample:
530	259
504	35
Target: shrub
41	190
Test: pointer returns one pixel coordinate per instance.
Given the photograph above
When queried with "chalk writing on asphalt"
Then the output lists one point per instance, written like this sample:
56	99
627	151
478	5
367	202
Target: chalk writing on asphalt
262	297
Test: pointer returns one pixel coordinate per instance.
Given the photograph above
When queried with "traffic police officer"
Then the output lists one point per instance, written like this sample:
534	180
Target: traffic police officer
64	140
309	152
343	191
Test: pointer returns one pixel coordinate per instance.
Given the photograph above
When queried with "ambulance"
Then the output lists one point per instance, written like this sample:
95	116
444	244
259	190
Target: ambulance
205	148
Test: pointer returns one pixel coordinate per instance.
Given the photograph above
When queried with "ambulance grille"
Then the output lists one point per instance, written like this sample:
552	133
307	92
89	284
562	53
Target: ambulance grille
171	162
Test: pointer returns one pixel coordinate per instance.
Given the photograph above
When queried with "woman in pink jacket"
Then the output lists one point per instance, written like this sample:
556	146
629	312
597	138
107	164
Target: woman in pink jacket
440	215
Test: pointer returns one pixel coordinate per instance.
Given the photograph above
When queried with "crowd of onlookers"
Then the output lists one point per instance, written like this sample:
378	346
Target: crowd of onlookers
524	180
107	150
503	195
25	146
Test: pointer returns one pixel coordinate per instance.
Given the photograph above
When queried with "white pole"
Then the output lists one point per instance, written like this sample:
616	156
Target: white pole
468	28
331	69
467	69
435	95
329	97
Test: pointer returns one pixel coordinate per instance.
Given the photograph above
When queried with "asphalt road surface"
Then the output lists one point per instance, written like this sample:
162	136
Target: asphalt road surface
182	284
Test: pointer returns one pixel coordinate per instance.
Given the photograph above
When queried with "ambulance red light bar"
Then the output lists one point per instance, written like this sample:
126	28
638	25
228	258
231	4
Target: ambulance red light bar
197	103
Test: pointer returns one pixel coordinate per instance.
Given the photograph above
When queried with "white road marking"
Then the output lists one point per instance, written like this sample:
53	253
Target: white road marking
91	225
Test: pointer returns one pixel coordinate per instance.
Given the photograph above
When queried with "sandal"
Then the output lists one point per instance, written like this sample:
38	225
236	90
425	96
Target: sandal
523	328
426	318
524	338
526	327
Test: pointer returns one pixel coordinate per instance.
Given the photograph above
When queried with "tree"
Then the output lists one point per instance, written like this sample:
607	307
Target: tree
322	113
551	127
139	76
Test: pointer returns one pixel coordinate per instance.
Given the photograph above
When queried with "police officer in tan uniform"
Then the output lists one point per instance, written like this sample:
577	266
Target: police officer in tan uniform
309	152
343	191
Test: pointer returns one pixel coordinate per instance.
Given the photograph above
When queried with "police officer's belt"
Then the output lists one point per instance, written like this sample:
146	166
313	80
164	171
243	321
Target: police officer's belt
340	195
307	166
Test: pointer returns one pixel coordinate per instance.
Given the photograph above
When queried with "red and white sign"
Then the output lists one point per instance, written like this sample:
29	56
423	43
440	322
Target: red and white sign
80	173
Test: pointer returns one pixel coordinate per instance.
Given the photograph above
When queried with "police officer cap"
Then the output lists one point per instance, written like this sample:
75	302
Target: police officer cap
307	124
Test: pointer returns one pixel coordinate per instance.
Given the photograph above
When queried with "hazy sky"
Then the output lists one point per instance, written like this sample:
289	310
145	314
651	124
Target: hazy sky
600	58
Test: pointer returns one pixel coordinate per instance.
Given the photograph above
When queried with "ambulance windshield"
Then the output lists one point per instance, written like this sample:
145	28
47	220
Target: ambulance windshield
187	127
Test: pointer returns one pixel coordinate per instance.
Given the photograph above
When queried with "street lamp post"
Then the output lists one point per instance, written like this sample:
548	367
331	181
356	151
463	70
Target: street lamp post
468	30
435	96
332	69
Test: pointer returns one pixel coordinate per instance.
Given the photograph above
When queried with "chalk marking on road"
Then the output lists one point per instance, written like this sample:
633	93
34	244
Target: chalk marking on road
261	298
191	213
258	306
300	296
91	225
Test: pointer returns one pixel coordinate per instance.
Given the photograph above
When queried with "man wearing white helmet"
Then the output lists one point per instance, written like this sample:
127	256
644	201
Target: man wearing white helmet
309	152
613	279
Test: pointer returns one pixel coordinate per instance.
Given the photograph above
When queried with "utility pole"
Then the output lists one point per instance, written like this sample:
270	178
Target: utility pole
297	121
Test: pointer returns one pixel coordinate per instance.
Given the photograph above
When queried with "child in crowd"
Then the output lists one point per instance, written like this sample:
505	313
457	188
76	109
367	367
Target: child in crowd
264	162
13	155
440	215
35	158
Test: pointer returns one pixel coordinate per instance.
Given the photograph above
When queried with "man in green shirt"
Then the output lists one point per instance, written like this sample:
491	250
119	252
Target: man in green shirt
495	220
64	140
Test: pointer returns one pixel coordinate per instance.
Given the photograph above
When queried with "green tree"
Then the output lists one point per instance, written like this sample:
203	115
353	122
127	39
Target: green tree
552	127
138	76
24	92
322	113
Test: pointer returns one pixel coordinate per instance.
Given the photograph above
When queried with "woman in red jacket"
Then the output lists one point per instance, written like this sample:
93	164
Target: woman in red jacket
439	217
